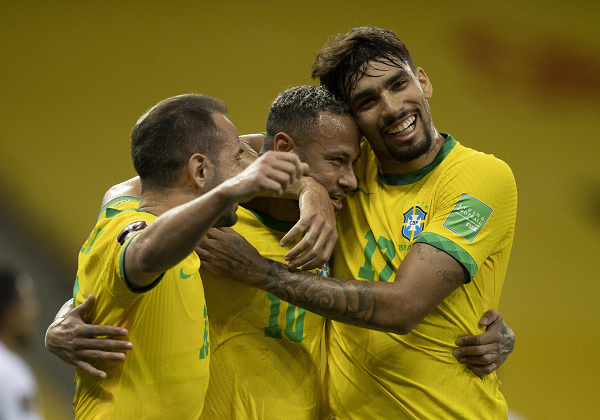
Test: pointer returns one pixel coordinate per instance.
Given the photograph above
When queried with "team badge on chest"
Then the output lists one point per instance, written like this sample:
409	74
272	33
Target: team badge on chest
414	221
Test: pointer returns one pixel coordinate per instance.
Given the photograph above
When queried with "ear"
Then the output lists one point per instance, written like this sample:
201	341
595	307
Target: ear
197	169
284	143
424	82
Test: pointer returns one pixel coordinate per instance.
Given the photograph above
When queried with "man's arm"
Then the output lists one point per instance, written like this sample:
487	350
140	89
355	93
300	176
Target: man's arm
176	233
425	278
376	305
76	343
317	217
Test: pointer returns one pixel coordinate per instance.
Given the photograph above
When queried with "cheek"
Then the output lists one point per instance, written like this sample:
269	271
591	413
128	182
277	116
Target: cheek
366	122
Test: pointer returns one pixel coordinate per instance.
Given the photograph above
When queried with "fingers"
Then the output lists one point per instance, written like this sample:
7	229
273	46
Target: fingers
476	350
481	370
86	367
104	344
86	355
289	237
284	169
487	337
86	306
482	359
91	331
491	317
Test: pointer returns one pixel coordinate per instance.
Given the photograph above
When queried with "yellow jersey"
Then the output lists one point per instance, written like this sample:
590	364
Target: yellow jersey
265	353
463	203
166	373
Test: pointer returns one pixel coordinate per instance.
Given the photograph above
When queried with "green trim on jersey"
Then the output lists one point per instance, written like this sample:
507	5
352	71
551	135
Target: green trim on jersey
116	200
411	178
451	249
271	223
75	289
122	268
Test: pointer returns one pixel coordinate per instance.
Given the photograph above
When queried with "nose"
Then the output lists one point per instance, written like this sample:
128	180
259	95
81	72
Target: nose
389	105
348	182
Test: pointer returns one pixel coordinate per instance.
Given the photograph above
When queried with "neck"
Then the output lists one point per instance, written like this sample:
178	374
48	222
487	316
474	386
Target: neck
282	209
158	202
389	165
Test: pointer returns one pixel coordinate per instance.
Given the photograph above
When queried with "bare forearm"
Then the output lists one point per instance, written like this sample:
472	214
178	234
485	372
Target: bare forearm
361	303
175	234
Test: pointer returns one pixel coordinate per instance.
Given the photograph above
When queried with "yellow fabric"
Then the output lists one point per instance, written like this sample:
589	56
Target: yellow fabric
378	375
263	366
166	374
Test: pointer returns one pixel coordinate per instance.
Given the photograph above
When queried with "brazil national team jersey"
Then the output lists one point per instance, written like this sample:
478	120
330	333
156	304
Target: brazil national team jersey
265	353
165	375
463	203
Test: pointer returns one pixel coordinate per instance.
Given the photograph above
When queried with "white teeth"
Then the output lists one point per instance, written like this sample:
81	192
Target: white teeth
404	128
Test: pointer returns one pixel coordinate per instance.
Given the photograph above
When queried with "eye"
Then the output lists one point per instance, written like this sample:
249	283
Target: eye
366	103
398	84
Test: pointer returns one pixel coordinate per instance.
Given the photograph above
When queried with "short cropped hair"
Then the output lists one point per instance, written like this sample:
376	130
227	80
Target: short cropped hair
343	59
170	132
296	112
8	290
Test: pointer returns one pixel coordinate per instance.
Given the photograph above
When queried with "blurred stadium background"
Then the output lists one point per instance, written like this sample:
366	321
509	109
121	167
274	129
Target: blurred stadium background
517	79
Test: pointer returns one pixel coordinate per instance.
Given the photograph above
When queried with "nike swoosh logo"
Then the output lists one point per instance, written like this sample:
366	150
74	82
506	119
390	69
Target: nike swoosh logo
185	276
362	191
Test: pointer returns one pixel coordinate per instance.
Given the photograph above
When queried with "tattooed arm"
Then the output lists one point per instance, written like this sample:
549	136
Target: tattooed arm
425	278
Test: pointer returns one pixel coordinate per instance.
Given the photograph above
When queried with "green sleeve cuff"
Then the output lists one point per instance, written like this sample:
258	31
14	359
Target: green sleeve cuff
450	248
122	272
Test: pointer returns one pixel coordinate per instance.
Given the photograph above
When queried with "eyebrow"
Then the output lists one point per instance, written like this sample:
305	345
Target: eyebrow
371	91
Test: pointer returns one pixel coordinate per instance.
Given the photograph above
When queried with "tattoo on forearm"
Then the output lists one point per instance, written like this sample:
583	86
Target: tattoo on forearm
329	297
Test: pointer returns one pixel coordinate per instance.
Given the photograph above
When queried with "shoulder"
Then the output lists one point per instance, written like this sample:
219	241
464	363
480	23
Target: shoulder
479	166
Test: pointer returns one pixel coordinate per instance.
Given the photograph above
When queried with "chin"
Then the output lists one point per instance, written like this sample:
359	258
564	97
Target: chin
226	220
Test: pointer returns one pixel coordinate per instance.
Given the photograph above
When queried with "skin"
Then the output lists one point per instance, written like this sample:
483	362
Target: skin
383	100
482	353
185	211
200	200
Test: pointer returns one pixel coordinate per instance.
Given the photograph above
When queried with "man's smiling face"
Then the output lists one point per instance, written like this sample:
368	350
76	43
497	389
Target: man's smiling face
389	104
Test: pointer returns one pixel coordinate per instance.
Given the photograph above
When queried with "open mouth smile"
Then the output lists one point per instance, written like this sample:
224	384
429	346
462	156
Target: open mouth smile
404	128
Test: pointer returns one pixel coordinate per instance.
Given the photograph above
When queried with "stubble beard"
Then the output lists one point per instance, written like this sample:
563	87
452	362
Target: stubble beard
415	150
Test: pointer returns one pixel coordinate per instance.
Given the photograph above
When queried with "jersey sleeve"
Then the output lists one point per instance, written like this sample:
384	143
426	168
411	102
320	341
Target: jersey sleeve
476	207
104	256
117	205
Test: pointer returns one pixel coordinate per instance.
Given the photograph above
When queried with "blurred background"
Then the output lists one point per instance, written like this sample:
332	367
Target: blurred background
517	79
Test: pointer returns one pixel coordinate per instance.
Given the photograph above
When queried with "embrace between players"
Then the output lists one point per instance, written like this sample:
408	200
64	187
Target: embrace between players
424	232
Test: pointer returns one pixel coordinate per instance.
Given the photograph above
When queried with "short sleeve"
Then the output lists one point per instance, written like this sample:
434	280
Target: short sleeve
475	209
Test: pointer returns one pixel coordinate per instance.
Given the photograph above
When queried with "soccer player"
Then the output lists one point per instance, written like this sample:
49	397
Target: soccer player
425	238
140	265
265	360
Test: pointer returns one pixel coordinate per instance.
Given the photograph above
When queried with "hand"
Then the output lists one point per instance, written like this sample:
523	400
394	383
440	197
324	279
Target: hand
71	339
317	223
273	172
484	353
226	253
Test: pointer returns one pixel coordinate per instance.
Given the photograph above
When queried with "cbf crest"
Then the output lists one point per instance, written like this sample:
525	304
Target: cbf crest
414	221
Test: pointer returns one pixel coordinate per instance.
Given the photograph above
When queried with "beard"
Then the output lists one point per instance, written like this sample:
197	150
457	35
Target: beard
228	217
414	150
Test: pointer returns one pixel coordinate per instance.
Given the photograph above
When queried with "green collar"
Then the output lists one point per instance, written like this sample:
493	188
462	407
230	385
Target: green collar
271	223
411	178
